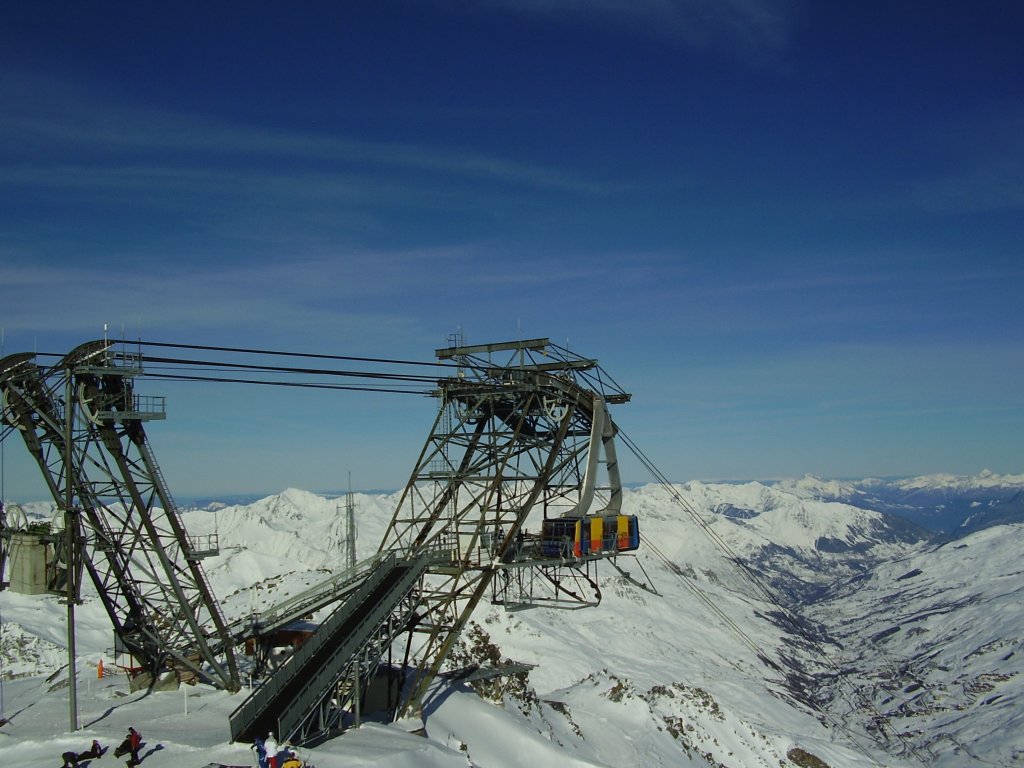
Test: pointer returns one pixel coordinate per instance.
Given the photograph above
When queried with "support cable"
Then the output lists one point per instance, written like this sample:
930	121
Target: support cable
281	353
296	384
292	370
750	643
711	604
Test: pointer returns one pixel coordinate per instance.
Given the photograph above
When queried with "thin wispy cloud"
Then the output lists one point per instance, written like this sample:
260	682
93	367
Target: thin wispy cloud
299	298
982	162
749	29
105	131
994	186
298	291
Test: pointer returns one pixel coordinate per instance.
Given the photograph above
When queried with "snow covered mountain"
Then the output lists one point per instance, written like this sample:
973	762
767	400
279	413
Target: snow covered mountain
788	628
931	643
798	543
947	505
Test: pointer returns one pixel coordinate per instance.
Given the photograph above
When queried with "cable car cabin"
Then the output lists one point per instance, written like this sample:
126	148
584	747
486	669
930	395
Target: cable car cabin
590	535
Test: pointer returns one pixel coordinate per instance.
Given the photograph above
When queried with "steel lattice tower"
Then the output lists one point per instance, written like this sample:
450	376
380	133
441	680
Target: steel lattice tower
528	435
83	424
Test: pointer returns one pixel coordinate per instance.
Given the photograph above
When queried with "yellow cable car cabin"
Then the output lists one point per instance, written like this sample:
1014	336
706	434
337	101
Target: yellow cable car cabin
567	537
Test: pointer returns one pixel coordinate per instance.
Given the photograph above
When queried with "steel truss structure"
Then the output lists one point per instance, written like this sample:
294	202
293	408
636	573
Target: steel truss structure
83	423
523	435
523	429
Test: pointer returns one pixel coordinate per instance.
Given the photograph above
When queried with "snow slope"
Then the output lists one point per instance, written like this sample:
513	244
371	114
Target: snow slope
934	646
708	671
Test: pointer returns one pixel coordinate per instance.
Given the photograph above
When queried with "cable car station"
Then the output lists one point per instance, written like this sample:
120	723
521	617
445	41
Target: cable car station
515	498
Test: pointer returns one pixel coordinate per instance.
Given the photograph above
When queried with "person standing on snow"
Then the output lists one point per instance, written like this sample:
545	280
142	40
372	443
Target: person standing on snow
134	742
271	747
261	752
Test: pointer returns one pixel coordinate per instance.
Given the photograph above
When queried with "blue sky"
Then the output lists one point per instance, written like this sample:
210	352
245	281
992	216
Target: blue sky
792	230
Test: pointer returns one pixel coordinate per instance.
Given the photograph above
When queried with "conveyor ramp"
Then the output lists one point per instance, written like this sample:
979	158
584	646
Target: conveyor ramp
295	703
335	589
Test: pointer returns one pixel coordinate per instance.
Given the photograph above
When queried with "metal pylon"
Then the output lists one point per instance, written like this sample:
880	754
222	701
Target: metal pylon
526	435
83	424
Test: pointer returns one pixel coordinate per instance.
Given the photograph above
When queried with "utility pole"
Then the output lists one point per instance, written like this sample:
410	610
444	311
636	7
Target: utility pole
350	512
69	550
356	695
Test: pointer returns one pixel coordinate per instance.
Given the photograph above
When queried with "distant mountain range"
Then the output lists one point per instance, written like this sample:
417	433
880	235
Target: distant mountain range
942	505
948	506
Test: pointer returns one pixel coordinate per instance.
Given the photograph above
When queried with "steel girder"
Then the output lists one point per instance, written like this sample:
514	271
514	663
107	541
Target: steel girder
136	551
527	436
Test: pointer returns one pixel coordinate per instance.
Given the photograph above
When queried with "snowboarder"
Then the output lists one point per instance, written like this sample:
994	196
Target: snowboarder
130	746
72	759
134	742
94	751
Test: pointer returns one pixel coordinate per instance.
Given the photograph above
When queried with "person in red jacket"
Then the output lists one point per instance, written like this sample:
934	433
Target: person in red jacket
135	743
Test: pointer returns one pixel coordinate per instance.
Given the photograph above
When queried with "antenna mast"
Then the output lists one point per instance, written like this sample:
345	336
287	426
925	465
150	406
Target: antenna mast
350	514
